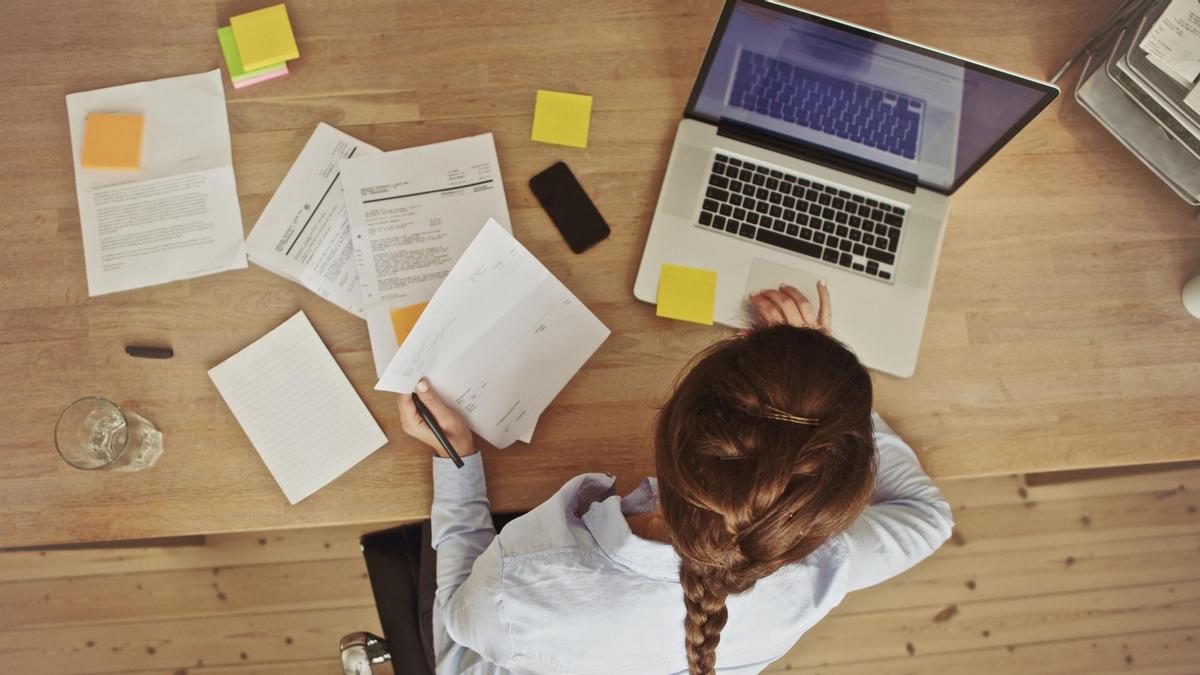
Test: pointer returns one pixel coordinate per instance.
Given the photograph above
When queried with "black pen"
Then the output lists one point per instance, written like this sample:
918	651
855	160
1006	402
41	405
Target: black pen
149	352
437	430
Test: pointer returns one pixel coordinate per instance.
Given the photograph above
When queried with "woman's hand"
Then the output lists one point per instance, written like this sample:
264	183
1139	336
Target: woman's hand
449	419
788	305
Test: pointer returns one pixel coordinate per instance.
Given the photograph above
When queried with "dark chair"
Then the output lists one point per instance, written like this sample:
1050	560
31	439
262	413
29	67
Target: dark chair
402	567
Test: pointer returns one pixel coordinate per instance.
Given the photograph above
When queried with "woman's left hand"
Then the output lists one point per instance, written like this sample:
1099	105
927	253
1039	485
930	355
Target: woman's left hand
788	305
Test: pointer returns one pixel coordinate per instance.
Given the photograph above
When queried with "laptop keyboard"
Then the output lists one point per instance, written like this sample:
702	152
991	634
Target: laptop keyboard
799	214
861	113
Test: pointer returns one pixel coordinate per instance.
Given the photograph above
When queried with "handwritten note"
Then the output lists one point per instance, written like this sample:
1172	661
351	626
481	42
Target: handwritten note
300	412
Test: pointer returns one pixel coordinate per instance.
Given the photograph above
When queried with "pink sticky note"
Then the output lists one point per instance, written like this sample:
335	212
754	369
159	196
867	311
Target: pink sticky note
261	78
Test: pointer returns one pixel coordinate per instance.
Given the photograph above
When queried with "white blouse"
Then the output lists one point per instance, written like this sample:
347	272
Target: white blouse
558	592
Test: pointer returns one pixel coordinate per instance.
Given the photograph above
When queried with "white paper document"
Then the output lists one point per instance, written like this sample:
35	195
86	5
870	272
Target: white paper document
304	232
499	340
177	217
414	211
1173	44
384	344
300	412
1193	98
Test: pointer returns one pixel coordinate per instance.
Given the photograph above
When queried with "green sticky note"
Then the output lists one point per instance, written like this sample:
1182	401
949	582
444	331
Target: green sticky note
687	294
562	119
233	60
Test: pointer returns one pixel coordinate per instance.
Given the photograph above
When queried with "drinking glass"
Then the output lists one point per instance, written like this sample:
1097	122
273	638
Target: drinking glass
95	433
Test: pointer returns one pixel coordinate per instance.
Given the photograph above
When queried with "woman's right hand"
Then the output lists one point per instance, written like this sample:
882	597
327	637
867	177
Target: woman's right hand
450	420
788	305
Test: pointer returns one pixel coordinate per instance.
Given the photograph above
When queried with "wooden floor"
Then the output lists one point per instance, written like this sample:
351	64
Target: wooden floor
1045	574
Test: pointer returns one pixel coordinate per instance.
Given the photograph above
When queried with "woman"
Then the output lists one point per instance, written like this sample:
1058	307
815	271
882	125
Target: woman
778	492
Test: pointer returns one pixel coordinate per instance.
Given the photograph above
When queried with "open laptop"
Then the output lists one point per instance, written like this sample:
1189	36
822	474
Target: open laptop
816	149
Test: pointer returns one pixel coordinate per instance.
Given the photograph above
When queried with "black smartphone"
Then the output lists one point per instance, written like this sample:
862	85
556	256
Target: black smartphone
572	212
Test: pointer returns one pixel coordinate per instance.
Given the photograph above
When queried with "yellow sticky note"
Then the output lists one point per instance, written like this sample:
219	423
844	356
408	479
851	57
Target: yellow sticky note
264	37
562	119
404	318
687	294
112	142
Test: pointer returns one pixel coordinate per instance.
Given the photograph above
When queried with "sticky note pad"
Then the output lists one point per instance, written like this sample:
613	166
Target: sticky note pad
112	142
233	60
269	75
264	37
404	318
562	119
687	294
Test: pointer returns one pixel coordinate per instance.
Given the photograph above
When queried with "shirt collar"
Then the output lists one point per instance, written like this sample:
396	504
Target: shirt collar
605	519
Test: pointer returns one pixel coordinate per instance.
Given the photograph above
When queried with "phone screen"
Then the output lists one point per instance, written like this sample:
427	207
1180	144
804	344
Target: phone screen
569	207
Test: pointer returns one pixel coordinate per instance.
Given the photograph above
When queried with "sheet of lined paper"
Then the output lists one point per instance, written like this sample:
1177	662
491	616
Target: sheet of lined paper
299	410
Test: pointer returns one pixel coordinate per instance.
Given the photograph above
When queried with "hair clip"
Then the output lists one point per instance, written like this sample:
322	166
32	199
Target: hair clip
783	416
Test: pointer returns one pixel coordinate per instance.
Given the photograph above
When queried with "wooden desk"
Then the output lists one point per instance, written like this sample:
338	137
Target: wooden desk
1056	337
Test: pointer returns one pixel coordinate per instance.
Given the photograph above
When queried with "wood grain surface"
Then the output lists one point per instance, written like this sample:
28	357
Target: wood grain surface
1056	338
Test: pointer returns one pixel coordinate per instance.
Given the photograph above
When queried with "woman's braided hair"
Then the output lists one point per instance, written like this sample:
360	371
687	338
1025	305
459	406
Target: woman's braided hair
763	452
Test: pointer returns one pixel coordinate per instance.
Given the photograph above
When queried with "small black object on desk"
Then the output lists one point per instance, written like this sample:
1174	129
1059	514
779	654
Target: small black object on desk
149	352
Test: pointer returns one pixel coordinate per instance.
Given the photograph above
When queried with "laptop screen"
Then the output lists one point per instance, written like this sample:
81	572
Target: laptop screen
860	94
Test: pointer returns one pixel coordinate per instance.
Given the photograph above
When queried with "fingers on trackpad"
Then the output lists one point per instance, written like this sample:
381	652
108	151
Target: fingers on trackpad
767	274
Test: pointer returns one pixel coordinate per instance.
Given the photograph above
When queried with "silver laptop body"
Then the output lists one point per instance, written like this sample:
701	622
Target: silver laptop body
816	149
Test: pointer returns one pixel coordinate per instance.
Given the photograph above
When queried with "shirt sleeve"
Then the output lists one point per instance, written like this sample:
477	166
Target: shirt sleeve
908	518
462	530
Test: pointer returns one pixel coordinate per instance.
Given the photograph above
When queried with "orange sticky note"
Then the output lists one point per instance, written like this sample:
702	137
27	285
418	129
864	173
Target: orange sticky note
112	142
404	318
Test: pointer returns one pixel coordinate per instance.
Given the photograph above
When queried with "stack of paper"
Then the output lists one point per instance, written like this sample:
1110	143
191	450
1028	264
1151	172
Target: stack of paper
1112	88
499	340
299	410
257	45
1173	44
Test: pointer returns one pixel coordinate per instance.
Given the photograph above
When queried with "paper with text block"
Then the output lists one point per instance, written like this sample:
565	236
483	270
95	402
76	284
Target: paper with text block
499	340
303	233
413	212
300	412
177	215
1173	43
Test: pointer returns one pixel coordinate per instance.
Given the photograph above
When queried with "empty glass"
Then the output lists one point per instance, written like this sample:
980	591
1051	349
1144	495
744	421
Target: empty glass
95	433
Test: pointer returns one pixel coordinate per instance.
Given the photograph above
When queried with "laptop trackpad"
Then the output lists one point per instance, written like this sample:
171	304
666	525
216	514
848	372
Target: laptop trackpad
766	274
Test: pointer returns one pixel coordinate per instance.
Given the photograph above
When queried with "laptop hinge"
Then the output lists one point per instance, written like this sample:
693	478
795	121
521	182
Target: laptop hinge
816	154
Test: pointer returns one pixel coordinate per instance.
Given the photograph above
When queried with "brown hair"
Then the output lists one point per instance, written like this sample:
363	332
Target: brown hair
745	489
